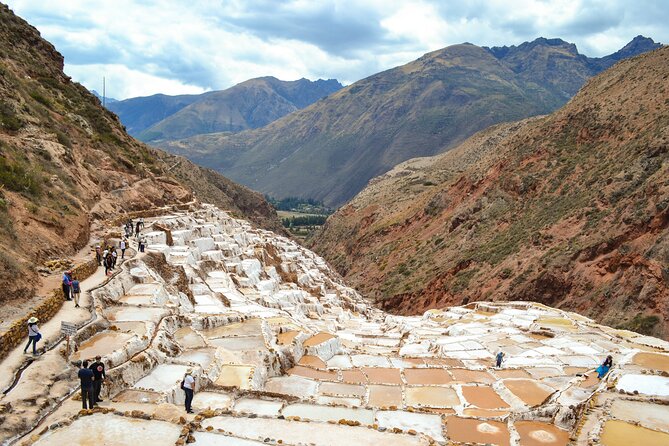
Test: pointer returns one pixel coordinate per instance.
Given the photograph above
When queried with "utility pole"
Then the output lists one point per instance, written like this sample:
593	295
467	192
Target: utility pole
104	90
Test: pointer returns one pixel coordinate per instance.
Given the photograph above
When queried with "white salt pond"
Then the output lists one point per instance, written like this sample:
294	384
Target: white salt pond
163	378
644	384
325	413
111	430
317	434
259	407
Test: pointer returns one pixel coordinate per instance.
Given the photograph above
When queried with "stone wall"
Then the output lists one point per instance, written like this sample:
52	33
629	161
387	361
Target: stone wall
45	310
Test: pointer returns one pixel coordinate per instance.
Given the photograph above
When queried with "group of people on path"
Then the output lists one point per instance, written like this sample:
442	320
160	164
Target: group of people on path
91	378
71	287
601	371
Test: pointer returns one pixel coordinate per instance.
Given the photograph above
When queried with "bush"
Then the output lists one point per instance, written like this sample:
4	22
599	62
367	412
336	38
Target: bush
9	120
17	177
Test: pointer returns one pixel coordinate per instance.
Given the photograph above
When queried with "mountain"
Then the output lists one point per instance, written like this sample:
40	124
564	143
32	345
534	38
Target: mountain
107	100
330	150
138	114
248	105
66	162
569	210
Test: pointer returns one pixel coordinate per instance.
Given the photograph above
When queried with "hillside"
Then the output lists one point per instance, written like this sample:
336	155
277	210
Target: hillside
248	105
66	161
331	149
569	210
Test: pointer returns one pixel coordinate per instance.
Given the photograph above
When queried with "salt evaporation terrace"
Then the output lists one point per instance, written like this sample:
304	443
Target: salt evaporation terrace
284	353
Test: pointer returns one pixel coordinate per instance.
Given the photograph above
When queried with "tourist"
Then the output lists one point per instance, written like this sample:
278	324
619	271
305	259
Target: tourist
114	256
188	386
604	368
142	244
137	229
499	359
67	283
33	335
98	255
105	253
76	291
86	378
123	247
108	264
99	374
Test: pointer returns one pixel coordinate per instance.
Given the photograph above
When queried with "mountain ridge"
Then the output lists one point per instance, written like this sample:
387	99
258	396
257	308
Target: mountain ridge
329	150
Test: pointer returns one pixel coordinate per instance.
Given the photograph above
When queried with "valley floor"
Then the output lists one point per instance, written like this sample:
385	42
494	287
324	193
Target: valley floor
284	353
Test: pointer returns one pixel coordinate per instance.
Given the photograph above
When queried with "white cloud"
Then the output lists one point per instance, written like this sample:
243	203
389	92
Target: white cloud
172	46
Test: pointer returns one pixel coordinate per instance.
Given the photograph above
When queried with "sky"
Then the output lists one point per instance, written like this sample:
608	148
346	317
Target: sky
188	47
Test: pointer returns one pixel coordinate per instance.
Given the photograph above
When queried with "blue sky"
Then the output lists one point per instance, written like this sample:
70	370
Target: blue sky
178	47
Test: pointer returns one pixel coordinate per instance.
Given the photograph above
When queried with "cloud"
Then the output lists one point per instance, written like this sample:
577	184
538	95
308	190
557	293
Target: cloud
173	47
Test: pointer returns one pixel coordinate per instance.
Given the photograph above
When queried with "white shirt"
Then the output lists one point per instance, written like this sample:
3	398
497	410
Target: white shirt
189	382
122	244
33	330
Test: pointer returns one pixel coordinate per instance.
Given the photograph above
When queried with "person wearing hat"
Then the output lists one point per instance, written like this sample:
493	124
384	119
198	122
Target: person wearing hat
188	386
33	335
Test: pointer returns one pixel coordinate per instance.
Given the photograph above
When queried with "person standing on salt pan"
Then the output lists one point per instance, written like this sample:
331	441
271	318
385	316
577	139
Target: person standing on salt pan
604	368
188	386
499	359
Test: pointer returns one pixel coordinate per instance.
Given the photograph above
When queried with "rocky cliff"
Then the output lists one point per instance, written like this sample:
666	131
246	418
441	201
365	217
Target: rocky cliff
570	210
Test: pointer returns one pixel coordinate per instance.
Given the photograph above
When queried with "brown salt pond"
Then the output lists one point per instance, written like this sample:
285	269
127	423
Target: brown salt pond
472	376
529	391
575	370
312	361
620	433
653	416
590	381
317	339
306	372
382	375
484	413
431	396
250	327
543	372
287	338
443	362
468	430
652	361
483	396
512	373
385	396
534	433
101	344
427	376
354	376
137	396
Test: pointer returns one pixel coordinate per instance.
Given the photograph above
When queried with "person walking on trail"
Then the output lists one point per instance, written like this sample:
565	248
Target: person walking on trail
33	335
108	264
114	256
98	369
123	248
604	368
188	386
98	255
499	358
142	244
137	229
67	283
86	378
76	291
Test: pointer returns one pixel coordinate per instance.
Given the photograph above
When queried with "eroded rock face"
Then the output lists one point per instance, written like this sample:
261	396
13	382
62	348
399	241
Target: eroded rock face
284	353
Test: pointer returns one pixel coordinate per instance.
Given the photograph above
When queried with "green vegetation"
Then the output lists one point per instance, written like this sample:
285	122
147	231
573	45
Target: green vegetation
19	177
305	220
301	205
641	324
9	120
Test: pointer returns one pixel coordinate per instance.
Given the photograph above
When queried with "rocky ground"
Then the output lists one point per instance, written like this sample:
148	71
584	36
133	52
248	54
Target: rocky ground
284	353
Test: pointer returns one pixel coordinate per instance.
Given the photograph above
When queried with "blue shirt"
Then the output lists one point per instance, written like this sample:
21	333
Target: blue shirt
86	377
75	286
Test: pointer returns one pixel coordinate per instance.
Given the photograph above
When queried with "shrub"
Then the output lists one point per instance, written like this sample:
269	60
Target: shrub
17	177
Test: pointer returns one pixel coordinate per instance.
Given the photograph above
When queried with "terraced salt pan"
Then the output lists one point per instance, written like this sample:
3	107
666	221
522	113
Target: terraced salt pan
212	400
652	416
101	344
385	396
135	314
644	384
620	433
255	343
325	413
111	430
218	439
425	423
431	396
189	338
233	375
467	430
259	407
533	433
652	361
163	378
530	392
317	434
203	357
292	385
